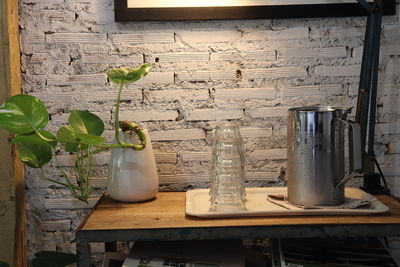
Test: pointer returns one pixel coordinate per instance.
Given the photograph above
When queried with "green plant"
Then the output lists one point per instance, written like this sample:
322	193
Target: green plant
3	264
26	117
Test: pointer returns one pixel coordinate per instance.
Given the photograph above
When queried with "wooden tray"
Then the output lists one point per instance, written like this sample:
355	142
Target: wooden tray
198	203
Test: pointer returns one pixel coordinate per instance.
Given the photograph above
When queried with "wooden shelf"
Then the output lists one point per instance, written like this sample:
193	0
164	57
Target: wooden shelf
168	211
164	219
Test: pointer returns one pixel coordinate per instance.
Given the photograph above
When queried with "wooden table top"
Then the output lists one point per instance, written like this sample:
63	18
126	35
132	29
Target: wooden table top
168	211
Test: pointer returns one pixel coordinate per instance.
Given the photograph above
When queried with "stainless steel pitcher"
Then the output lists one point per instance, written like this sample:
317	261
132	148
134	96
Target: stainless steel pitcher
316	167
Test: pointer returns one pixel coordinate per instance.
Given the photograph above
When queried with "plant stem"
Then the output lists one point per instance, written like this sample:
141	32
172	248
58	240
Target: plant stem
116	122
55	181
121	143
89	170
63	174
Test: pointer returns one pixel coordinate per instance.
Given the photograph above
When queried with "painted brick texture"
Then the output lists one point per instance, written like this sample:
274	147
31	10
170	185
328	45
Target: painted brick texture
204	72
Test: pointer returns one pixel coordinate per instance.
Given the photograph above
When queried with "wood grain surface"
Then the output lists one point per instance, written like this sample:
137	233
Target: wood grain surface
168	211
12	192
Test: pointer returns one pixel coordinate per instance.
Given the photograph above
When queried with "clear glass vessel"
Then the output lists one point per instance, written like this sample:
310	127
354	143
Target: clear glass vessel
227	177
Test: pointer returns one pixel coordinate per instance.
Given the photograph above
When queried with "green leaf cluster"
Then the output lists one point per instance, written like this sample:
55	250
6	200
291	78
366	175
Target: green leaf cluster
26	117
84	129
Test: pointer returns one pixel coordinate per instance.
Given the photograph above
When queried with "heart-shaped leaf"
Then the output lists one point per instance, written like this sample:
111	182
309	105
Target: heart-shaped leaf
21	114
53	259
84	122
128	75
90	139
67	137
47	137
33	151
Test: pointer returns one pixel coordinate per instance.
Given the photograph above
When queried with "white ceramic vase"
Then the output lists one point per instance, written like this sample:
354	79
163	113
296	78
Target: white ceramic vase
132	175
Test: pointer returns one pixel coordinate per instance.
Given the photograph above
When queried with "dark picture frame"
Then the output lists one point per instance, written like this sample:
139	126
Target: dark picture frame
123	13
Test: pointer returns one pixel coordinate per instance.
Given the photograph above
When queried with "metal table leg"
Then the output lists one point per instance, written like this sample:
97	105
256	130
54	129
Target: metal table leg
83	252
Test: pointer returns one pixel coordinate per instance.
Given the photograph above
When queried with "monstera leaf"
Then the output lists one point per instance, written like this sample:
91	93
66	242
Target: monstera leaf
53	259
128	75
23	114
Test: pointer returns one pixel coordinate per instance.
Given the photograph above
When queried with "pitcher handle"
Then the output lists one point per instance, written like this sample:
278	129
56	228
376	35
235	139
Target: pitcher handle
355	157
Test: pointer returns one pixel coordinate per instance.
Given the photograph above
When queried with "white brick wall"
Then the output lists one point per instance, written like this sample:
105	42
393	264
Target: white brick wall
57	15
42	57
275	73
165	157
181	94
195	177
196	156
313	90
213	115
156	77
39	1
107	59
207	75
333	71
181	135
128	39
208	36
63	80
104	157
326	52
270	154
59	225
183	178
268	112
391	32
266	55
63	38
246	93
263	176
279	34
110	95
249	132
204	72
343	31
55	97
149	115
180	57
394	147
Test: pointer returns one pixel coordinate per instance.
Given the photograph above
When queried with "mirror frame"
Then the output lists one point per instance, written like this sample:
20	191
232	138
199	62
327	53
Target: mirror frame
123	13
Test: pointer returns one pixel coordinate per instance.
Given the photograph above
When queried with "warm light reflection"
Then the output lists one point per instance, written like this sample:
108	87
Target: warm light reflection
211	3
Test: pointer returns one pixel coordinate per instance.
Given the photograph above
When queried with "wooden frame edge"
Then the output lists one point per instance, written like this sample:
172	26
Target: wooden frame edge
14	87
123	13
